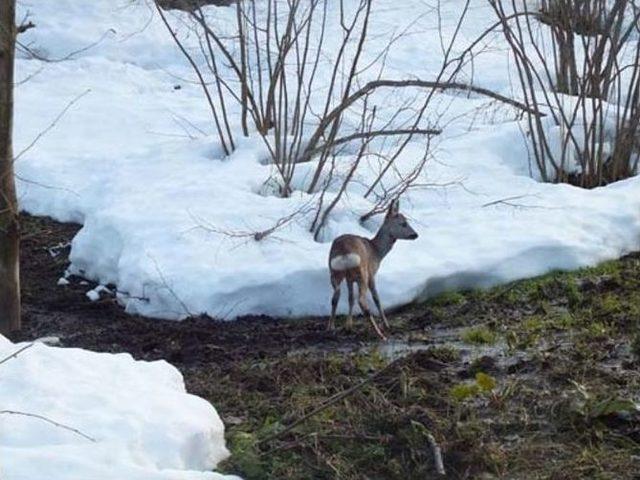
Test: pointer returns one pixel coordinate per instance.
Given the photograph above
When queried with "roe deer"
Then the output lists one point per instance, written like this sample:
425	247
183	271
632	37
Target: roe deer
357	259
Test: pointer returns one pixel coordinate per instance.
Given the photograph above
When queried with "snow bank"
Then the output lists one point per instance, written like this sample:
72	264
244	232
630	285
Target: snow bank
168	220
133	420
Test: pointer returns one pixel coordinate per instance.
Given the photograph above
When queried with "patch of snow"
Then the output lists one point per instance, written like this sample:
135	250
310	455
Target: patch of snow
57	249
94	294
131	419
63	282
168	220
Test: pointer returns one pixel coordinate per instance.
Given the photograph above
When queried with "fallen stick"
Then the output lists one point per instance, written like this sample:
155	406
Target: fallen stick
16	353
48	420
333	400
437	454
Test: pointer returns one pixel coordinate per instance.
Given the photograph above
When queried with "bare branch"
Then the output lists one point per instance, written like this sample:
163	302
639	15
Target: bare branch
258	235
23	27
380	133
16	353
170	289
33	54
203	83
331	401
437	454
51	125
373	85
48	420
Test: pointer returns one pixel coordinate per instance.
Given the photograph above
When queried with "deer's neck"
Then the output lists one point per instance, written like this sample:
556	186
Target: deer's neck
383	243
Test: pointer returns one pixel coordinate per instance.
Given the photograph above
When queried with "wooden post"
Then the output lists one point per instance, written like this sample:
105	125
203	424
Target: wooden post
9	226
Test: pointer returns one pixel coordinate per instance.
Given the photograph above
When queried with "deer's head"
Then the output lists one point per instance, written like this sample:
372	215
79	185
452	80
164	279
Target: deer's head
397	225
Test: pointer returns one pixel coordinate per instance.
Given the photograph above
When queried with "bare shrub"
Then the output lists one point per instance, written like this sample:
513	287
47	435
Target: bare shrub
303	95
190	5
575	61
274	55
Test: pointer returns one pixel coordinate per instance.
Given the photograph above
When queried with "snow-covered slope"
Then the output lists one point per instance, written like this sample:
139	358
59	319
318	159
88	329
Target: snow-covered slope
117	418
121	163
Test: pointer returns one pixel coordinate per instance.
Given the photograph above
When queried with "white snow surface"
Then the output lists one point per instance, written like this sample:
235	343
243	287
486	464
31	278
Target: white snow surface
140	422
119	163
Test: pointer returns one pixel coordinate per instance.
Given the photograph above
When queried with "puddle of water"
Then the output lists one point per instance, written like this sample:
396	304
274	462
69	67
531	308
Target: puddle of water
437	337
468	353
394	348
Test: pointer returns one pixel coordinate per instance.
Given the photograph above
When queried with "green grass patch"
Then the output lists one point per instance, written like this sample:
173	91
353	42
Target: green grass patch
482	384
447	299
479	336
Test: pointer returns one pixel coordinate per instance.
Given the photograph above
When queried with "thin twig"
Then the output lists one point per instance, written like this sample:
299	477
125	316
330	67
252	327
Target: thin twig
48	420
52	124
379	133
257	235
16	353
24	27
69	56
166	285
509	202
503	200
333	400
197	71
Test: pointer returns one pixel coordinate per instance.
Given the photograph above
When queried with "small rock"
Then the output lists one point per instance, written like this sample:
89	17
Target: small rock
231	420
485	364
51	340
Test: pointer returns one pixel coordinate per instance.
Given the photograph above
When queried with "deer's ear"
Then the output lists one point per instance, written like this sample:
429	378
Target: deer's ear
394	208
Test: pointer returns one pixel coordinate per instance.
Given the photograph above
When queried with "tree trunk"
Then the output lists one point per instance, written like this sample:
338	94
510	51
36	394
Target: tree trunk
9	227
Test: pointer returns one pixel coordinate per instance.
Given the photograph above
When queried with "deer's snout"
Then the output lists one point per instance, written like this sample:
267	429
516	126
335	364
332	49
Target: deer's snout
413	236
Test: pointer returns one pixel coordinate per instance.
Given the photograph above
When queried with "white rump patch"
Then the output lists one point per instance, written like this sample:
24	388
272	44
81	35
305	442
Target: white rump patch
345	262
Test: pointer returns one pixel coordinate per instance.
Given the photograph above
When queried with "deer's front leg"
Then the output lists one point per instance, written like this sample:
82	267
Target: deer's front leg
376	299
362	300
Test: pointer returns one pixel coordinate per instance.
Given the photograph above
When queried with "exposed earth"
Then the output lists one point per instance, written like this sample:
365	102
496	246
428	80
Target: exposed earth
535	379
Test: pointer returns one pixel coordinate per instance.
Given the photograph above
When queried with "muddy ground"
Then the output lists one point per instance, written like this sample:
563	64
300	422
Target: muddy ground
536	379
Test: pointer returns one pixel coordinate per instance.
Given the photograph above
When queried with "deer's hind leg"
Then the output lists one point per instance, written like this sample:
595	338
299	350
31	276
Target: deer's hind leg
349	322
336	280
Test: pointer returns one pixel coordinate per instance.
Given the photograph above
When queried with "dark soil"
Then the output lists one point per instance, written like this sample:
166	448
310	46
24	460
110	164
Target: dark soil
536	379
66	312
